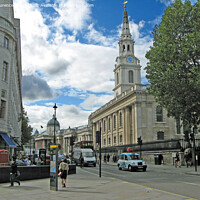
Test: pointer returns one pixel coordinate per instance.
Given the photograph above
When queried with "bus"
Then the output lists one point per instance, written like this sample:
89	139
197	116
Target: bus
84	144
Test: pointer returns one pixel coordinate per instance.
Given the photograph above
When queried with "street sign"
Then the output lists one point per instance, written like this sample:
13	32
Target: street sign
54	146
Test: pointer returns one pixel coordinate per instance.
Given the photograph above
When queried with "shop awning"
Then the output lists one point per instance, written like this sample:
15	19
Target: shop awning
8	140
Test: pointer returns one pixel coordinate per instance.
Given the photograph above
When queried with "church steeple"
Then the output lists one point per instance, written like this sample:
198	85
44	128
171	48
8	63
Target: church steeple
127	70
125	27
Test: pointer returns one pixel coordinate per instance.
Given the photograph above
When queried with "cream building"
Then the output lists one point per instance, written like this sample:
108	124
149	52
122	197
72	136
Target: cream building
10	78
133	113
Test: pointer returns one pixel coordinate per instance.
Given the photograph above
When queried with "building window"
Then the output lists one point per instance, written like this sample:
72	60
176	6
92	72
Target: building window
124	47
130	75
109	140
5	71
5	42
160	135
3	93
120	138
104	125
120	119
109	124
117	78
128	48
115	139
159	114
114	122
104	141
3	109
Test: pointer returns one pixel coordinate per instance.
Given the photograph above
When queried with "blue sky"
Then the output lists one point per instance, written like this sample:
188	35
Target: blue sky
69	49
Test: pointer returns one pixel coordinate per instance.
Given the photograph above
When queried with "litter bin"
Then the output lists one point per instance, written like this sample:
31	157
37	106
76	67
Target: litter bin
157	159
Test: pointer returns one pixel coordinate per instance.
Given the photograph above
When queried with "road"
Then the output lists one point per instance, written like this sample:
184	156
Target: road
164	178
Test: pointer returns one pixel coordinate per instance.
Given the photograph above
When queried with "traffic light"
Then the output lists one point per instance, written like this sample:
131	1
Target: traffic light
192	136
98	136
71	141
186	136
139	140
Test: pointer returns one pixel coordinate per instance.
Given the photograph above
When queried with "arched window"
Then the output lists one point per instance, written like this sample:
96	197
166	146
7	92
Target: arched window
115	139
117	78
109	140
159	114
130	75
123	48
120	119
114	122
128	47
109	124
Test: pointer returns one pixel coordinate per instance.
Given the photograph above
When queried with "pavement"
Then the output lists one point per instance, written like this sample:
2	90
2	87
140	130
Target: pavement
85	185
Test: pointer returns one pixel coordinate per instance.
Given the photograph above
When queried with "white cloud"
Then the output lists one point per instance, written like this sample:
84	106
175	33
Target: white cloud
95	101
67	115
73	14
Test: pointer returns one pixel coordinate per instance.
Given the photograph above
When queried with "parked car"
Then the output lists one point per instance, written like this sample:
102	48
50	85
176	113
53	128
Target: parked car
131	162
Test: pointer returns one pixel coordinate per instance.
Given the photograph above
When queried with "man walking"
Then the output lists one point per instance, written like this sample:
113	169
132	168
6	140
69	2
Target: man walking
13	173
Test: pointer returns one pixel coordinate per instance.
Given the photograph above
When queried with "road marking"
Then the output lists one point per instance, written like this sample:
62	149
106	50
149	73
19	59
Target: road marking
150	188
190	183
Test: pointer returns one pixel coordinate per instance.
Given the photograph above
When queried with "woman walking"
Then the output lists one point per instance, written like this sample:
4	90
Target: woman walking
63	168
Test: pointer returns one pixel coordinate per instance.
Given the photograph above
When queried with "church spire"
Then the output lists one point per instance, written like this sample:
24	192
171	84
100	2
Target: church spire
125	27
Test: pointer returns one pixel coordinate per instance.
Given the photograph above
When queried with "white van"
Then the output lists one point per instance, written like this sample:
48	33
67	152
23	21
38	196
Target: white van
88	157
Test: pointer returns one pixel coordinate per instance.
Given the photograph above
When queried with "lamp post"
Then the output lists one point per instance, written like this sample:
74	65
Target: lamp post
54	138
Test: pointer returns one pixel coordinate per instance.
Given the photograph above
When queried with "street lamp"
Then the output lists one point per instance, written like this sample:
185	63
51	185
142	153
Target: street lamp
54	138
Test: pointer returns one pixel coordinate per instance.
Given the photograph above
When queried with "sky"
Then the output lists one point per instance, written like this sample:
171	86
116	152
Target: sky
69	48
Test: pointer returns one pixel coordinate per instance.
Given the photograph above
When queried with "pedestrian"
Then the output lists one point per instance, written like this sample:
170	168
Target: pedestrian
177	160
81	160
108	158
63	168
14	174
105	158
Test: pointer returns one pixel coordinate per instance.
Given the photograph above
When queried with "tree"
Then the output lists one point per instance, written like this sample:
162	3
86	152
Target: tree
174	62
26	129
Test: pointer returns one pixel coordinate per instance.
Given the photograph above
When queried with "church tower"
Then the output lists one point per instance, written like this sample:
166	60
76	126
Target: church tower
127	70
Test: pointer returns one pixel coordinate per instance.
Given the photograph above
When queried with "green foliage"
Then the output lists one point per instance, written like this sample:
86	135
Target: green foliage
26	129
174	61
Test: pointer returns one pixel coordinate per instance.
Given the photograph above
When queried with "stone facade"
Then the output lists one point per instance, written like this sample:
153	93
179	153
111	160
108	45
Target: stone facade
10	75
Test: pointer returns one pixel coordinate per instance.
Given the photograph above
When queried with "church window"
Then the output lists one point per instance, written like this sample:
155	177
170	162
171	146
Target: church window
160	135
109	140
114	122
115	139
104	125
130	75
124	47
120	138
159	113
109	124
117	78
128	48
120	119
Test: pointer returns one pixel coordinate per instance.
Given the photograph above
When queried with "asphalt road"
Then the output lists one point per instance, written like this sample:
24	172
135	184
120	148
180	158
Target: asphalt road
163	178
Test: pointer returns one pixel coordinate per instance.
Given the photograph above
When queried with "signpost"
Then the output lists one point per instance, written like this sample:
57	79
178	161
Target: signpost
54	167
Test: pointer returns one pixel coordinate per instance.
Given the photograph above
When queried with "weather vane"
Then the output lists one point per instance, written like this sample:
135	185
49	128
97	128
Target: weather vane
125	2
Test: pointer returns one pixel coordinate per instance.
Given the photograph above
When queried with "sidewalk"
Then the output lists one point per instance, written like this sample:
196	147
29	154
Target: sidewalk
84	186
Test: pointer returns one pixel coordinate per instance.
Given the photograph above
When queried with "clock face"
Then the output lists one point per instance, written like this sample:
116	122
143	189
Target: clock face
130	59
